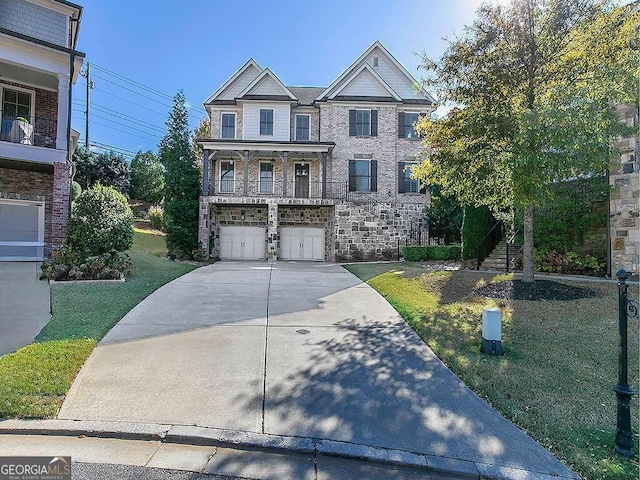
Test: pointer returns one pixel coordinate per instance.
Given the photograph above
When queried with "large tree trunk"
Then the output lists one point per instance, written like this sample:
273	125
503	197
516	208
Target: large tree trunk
527	248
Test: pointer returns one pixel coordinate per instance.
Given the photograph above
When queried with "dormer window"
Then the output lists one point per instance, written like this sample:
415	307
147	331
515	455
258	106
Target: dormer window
266	121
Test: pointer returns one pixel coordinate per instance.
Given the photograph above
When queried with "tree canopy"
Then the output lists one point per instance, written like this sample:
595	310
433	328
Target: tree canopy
108	168
533	85
147	177
182	182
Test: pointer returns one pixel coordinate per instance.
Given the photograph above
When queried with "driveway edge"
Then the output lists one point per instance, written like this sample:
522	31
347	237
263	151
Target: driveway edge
206	436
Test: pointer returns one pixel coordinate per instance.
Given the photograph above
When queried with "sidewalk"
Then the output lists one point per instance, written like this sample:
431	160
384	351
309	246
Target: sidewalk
237	453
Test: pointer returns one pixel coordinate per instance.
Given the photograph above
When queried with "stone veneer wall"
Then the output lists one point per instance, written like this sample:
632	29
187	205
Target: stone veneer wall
625	204
365	233
50	188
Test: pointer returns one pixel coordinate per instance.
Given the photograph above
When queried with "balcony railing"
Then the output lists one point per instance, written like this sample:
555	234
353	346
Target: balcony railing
271	188
32	130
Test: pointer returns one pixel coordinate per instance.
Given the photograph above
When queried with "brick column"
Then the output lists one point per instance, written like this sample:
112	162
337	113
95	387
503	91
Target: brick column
324	174
60	203
204	228
272	230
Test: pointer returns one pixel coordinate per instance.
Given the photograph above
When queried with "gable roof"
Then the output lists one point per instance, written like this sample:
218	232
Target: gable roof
368	75
251	63
355	68
276	87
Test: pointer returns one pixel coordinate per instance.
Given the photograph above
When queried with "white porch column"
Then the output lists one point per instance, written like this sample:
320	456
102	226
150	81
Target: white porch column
62	142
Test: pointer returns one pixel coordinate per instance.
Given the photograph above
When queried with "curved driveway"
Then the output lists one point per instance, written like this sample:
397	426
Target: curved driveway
302	349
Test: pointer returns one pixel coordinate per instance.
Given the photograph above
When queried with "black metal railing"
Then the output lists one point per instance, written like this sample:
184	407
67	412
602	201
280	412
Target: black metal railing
513	249
489	242
31	130
274	188
627	309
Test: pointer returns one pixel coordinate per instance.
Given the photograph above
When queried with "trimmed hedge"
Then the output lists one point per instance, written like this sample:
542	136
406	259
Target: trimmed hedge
475	224
431	252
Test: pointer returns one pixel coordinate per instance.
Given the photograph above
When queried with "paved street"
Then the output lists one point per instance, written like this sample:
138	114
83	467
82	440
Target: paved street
300	349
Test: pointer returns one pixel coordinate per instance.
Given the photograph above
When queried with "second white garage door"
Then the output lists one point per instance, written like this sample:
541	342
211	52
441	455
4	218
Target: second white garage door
301	243
242	243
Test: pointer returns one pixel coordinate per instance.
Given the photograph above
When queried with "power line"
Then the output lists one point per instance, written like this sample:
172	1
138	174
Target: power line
108	119
138	84
128	132
129	118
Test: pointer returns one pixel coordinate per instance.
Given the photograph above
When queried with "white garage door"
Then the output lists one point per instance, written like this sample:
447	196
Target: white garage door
242	243
21	230
301	243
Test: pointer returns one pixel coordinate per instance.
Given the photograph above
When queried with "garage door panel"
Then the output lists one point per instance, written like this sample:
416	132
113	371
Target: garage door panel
242	243
301	243
21	230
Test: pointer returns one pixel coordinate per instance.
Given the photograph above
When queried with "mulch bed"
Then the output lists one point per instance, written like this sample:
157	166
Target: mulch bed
538	290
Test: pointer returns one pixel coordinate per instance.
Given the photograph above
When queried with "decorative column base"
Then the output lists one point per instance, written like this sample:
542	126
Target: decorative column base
624	440
492	347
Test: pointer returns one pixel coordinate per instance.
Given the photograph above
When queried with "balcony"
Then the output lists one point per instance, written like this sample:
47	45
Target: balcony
30	139
36	131
299	189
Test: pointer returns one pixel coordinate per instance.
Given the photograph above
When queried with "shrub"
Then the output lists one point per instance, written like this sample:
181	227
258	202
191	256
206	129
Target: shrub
156	217
431	252
100	222
552	261
475	225
67	264
76	190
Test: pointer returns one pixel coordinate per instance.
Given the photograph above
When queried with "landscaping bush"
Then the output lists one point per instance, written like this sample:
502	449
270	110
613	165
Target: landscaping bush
67	264
156	217
552	261
76	190
147	177
476	223
431	252
100	222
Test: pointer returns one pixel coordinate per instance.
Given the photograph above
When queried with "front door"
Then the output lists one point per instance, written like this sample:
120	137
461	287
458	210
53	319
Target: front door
302	180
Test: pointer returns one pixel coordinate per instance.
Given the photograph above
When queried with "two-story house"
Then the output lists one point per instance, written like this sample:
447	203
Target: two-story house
38	66
313	173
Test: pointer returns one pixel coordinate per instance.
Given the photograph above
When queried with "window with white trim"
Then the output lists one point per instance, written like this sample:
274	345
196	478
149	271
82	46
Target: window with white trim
363	123
266	121
227	176
228	125
266	177
15	104
411	185
303	127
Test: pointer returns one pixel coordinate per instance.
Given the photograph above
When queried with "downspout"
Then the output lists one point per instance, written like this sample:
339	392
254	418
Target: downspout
72	58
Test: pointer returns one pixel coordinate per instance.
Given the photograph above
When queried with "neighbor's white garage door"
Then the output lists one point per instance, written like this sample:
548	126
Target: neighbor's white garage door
21	230
242	243
301	243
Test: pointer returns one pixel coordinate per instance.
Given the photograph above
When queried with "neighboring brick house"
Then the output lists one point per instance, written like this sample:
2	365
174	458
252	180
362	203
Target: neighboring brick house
38	65
313	173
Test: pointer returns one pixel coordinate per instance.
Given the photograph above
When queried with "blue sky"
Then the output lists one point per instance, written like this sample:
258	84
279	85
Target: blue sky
196	45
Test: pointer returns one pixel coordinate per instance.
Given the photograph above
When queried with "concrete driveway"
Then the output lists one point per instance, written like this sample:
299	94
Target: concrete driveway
302	349
24	304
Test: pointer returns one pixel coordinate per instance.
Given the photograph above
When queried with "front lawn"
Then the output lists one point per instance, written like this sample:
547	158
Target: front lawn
36	377
555	380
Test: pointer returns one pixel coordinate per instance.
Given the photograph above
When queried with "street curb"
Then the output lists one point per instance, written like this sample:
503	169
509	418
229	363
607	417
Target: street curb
206	436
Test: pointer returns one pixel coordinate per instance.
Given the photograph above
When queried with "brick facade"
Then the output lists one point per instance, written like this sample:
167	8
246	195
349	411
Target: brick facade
50	188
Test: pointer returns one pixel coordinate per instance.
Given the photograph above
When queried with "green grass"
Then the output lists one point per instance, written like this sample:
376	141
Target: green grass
36	377
555	380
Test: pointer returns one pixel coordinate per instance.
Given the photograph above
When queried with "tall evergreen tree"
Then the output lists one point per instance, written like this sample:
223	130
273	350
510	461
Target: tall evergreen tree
535	83
181	182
